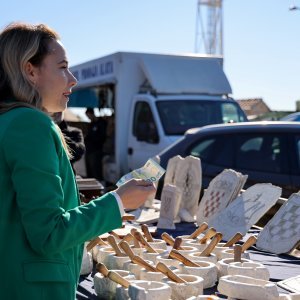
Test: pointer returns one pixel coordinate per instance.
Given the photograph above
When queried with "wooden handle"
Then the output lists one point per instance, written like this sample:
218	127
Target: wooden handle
177	243
237	253
101	268
147	233
127	238
128	217
114	245
198	231
114	276
115	235
250	242
141	239
187	262
127	249
233	240
135	241
139	261
211	246
95	242
209	234
168	239
161	267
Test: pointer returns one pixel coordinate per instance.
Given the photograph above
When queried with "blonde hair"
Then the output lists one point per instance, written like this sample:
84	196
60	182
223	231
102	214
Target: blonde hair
21	43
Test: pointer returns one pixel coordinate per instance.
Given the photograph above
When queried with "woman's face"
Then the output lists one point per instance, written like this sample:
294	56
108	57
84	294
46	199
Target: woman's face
54	81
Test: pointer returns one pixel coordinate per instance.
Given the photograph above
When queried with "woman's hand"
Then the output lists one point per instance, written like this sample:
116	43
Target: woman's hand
135	192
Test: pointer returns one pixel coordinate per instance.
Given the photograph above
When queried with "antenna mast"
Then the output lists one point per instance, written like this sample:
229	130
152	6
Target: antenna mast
209	27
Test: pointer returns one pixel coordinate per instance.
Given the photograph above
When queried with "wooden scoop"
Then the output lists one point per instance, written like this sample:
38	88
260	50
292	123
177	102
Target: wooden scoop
127	249
114	276
139	261
161	267
211	246
114	245
147	233
141	239
101	268
135	241
198	231
237	253
250	242
233	240
209	234
93	243
187	262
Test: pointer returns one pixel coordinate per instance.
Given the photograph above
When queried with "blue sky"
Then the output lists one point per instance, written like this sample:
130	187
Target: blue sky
261	37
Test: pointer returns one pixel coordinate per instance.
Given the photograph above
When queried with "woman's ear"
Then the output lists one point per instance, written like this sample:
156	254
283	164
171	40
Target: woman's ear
31	72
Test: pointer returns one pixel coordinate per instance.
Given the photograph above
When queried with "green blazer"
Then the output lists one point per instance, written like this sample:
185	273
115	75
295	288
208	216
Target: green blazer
42	226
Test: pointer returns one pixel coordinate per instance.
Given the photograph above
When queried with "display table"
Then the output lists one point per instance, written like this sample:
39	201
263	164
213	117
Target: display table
280	266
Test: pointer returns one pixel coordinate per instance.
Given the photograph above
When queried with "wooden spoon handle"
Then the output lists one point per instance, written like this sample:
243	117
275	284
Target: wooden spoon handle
114	276
139	261
237	253
168	239
127	249
250	242
180	257
169	273
233	240
115	235
209	234
114	245
211	246
141	239
95	242
147	233
177	243
198	231
135	241
101	268
127	238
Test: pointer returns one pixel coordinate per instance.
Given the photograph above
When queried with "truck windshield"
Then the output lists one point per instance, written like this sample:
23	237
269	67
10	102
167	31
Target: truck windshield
180	115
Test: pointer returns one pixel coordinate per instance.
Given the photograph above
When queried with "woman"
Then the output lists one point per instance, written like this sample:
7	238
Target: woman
42	225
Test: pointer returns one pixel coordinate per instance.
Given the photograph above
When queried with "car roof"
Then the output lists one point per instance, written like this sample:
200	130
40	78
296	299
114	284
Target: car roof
247	126
290	116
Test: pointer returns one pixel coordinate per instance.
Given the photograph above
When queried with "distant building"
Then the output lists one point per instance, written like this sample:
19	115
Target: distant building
254	107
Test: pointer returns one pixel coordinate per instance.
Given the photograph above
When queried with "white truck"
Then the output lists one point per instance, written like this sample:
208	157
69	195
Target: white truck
154	98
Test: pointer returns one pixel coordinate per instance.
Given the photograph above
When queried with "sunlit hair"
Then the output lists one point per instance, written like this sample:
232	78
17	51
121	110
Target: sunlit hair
21	43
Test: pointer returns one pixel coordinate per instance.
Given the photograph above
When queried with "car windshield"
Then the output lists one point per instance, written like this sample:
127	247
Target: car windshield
180	115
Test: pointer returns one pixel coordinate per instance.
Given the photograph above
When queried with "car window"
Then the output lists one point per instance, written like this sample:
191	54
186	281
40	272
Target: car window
259	152
298	149
180	115
230	113
217	150
203	149
252	144
144	127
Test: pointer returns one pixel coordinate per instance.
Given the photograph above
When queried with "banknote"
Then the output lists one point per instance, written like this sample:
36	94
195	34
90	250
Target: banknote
151	171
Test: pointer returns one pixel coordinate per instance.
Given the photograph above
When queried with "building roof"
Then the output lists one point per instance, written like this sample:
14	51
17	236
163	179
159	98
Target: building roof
254	106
